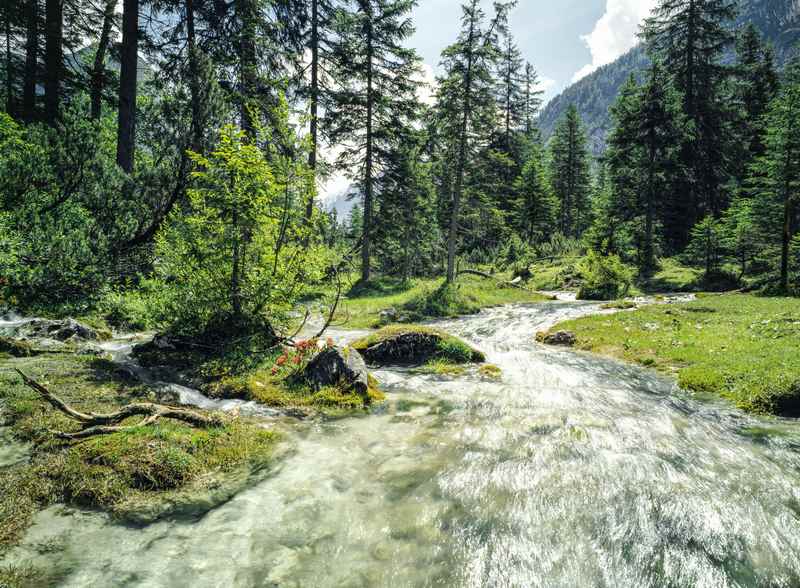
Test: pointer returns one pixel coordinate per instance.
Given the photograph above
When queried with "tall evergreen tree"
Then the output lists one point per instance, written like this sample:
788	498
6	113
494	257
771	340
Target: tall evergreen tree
778	171
467	101
53	58
536	207
690	37
532	96
570	175
376	99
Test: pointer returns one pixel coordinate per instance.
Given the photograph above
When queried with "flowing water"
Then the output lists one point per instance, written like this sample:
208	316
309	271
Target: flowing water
569	471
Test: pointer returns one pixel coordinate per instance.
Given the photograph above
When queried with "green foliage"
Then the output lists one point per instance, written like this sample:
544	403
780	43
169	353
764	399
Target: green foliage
63	208
570	175
536	207
432	344
706	246
603	277
239	250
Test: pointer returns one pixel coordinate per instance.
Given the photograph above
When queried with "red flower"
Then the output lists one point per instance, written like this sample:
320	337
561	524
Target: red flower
329	342
296	360
281	360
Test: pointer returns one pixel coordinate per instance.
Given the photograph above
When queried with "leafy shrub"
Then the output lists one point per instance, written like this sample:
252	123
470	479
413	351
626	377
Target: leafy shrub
604	277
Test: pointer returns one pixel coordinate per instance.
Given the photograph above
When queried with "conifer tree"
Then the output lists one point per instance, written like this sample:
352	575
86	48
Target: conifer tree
536	207
778	171
690	37
467	101
376	99
570	175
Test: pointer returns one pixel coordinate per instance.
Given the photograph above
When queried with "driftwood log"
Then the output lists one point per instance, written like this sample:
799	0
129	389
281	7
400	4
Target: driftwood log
105	424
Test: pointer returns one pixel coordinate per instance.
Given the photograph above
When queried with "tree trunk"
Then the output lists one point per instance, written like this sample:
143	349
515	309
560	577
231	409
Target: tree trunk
368	186
194	79
31	60
53	59
9	82
786	241
247	63
126	131
462	157
312	156
99	67
649	253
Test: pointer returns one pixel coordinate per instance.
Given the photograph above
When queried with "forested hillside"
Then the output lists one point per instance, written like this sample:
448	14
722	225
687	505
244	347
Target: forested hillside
777	20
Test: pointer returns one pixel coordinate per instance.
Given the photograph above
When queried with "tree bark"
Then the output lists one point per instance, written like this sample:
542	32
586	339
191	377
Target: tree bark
126	131
247	63
9	80
53	59
194	79
786	241
462	156
366	241
312	156
31	60
99	67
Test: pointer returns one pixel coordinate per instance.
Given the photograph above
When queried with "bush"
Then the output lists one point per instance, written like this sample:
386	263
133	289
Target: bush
604	278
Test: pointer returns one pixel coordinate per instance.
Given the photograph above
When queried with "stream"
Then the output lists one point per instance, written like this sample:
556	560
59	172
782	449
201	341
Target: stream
571	470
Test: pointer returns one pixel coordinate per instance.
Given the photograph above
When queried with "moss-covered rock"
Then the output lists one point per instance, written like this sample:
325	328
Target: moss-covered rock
412	345
15	347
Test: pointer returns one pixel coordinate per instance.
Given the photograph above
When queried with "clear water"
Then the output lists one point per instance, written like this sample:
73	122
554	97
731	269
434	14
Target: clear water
571	471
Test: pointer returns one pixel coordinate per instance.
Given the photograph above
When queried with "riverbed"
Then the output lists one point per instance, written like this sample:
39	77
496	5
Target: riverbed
570	470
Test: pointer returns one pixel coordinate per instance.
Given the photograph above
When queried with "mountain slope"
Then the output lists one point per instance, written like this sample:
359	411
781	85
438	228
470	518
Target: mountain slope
778	21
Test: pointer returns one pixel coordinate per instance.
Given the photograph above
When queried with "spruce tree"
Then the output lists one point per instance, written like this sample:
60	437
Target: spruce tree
691	37
536	207
570	175
376	99
467	104
778	171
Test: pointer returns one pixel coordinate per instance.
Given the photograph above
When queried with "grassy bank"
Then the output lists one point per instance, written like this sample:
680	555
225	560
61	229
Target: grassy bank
139	474
418	299
742	347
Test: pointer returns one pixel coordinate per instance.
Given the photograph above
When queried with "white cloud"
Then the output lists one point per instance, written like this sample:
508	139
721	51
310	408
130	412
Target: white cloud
546	84
615	32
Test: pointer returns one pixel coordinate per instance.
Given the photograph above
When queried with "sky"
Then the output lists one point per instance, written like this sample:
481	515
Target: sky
563	39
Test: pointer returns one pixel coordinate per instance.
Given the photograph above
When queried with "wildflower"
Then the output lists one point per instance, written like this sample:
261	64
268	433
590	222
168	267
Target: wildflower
329	342
281	360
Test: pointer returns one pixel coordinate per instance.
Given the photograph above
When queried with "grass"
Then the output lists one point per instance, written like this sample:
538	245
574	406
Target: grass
418	299
412	344
741	347
147	471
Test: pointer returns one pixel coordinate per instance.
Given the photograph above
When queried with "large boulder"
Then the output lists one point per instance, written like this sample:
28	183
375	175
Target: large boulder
559	338
340	367
408	346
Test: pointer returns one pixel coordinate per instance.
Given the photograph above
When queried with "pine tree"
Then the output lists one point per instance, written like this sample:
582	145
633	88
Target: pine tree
690	37
756	84
376	100
661	127
532	101
511	91
778	171
570	175
536	207
407	239
466	101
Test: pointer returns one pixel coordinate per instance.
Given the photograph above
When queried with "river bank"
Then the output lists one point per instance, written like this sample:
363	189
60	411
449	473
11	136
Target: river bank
467	480
741	347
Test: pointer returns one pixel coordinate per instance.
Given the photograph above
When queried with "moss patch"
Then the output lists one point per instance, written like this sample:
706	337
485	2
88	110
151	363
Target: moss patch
415	345
151	469
742	347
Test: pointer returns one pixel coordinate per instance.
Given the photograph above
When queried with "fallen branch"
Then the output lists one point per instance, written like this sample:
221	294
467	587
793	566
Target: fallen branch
104	424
